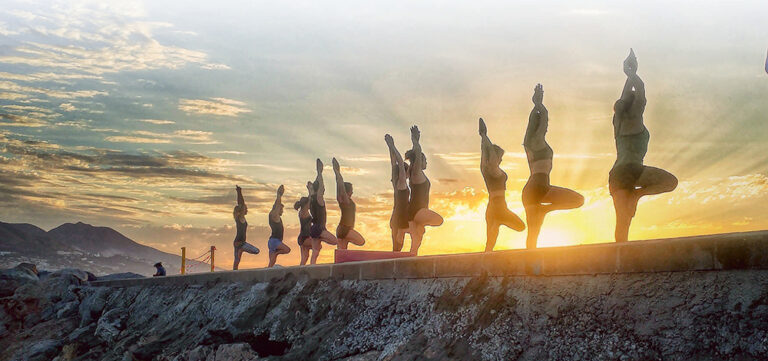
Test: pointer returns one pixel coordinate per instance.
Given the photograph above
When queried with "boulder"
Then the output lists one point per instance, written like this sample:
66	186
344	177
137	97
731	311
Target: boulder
110	324
13	278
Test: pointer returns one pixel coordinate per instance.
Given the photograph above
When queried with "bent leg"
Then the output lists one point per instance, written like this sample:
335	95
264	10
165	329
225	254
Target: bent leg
249	248
355	238
559	198
511	220
283	249
329	238
655	181
428	217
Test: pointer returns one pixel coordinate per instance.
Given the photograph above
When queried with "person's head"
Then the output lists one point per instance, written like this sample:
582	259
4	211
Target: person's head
303	202
158	265
315	186
496	155
411	157
348	188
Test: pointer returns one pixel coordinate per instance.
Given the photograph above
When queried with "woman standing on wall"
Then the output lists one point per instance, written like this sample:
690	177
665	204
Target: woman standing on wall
305	223
275	243
539	197
398	223
497	213
419	214
629	179
241	225
345	232
318	230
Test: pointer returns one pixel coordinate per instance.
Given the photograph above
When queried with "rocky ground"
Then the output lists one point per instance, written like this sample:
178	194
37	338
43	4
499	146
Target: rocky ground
652	316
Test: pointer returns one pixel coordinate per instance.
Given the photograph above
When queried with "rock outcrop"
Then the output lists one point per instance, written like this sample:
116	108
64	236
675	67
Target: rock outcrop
635	316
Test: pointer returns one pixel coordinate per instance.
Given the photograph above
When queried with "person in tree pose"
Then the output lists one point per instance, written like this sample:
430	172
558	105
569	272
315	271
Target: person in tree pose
629	179
242	226
318	230
419	214
497	213
275	242
539	197
345	232
305	222
398	223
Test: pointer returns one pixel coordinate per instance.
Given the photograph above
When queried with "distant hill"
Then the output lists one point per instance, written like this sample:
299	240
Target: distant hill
99	250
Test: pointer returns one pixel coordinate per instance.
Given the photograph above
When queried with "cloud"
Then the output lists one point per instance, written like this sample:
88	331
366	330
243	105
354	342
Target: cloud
140	140
12	120
62	94
67	107
12	96
142	136
215	106
157	121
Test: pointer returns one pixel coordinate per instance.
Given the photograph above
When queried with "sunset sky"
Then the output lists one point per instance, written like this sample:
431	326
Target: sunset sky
143	116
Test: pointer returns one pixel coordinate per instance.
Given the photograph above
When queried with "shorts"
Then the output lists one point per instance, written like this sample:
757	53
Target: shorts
342	231
624	176
302	238
536	188
316	230
272	244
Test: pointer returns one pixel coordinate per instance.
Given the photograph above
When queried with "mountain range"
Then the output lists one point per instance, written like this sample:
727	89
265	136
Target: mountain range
99	250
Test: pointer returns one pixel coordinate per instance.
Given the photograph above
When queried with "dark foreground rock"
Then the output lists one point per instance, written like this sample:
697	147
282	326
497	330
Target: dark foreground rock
641	316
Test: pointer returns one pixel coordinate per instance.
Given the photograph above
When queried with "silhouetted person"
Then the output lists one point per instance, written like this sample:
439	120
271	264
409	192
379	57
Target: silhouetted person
242	226
275	243
539	197
345	231
318	230
497	213
398	223
305	223
629	179
419	214
160	270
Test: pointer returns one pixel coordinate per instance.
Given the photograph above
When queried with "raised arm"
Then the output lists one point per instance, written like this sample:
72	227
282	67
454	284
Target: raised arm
240	200
395	159
341	193
416	162
319	179
536	120
274	214
630	69
639	86
486	146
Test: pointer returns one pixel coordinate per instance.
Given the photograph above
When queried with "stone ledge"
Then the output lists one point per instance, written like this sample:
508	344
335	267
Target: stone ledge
729	251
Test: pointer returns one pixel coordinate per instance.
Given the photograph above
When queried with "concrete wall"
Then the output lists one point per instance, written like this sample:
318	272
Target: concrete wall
731	251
